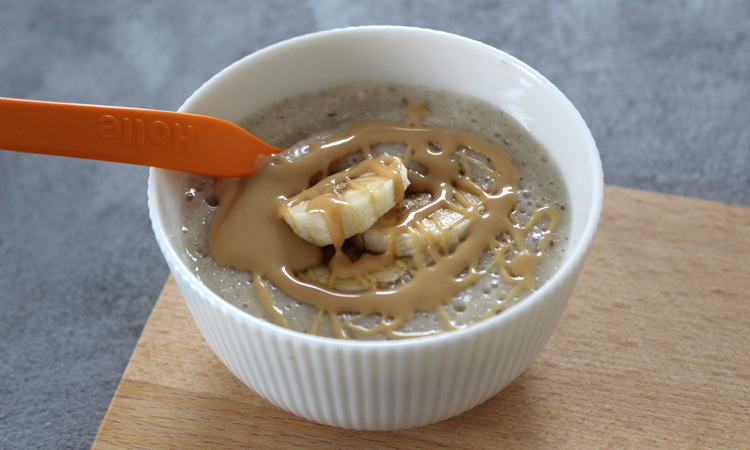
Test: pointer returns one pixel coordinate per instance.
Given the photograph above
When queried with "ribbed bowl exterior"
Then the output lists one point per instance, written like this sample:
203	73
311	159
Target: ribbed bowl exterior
394	384
375	387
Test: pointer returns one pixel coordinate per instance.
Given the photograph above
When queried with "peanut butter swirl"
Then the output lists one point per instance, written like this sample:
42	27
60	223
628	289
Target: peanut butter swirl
248	234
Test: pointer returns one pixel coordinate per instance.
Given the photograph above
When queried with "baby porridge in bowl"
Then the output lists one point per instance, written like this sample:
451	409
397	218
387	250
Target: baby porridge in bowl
396	212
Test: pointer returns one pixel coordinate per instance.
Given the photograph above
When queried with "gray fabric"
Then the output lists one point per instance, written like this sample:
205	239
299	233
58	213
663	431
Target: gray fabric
663	85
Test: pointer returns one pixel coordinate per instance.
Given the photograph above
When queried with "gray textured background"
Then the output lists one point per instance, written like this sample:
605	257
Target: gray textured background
664	87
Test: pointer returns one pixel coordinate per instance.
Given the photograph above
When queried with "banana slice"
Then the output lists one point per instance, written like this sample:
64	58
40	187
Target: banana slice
381	278
346	203
440	231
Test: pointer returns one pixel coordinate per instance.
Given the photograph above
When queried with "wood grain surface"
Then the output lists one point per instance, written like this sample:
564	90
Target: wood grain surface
652	352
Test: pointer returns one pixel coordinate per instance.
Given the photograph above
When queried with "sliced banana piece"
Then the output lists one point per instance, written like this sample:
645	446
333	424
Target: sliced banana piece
383	277
442	230
346	203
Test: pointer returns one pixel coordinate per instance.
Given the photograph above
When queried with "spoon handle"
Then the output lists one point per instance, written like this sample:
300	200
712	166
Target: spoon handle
169	140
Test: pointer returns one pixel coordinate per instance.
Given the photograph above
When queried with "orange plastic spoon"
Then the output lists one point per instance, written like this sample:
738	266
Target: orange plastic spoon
169	140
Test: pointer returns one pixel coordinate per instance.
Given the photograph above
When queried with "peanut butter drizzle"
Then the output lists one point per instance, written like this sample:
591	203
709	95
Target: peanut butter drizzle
247	233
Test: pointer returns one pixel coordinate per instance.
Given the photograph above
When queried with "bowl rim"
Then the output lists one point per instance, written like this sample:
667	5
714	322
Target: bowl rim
573	259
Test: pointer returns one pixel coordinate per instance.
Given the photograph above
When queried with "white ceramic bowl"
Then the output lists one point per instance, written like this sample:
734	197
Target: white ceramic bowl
395	384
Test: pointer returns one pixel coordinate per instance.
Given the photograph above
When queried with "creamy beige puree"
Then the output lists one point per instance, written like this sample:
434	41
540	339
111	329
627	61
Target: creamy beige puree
482	221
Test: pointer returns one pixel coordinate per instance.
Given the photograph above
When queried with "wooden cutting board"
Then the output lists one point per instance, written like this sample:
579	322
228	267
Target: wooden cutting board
653	351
